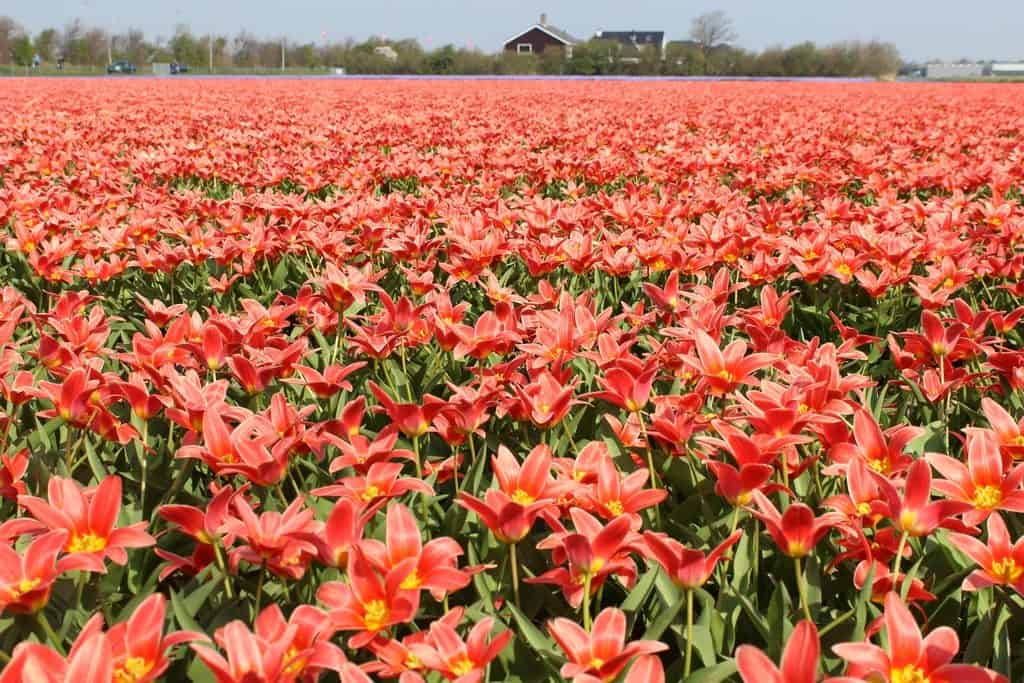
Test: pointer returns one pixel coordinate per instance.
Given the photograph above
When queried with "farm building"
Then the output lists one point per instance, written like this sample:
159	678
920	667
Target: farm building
635	41
957	70
540	37
1008	69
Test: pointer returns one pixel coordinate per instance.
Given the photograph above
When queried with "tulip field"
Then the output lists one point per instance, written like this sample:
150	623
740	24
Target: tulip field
511	381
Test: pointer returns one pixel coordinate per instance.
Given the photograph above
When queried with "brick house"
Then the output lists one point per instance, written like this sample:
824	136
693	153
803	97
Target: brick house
540	37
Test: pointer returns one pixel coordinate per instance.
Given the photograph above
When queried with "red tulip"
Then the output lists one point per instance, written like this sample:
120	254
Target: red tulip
724	371
984	483
909	657
689	569
435	563
601	654
457	659
27	580
89	517
283	542
1000	563
797	531
368	604
799	659
912	513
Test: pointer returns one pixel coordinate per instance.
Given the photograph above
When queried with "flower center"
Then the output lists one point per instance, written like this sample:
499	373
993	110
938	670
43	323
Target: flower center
133	669
988	497
1007	570
376	615
293	663
596	663
908	520
521	497
908	674
413	662
461	667
844	269
86	543
726	375
26	585
796	549
880	465
615	507
370	493
864	508
411	582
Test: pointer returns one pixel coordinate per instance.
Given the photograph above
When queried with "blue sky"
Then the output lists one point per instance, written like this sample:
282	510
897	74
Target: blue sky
947	29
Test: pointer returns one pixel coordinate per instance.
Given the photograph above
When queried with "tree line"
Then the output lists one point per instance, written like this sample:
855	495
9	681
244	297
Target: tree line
707	52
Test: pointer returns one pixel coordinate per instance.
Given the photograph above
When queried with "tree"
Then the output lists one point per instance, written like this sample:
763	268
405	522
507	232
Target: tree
21	49
9	31
712	29
46	44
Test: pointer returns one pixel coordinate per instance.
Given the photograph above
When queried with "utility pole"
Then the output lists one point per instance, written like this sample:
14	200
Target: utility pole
110	57
282	54
210	42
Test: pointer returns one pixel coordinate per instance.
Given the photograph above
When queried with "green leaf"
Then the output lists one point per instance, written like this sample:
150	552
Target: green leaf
640	591
536	639
480	580
980	646
756	618
715	674
863	600
197	598
280	274
181	614
664	619
778	625
95	464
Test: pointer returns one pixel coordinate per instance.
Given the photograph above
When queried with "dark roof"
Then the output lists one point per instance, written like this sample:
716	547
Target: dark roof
558	33
553	31
637	38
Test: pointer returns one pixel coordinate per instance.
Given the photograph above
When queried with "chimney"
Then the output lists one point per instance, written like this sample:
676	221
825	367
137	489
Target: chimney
543	19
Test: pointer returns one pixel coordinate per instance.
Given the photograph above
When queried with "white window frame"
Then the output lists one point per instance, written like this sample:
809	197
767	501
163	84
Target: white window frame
521	51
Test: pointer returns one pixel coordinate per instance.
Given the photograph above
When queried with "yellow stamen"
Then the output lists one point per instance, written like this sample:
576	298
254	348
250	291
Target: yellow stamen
86	543
987	497
376	616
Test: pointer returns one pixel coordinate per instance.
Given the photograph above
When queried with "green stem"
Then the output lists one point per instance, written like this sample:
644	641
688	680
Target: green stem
416	452
1001	605
424	511
455	469
586	602
51	635
259	588
689	634
899	557
144	461
405	372
801	586
514	561
219	559
735	520
650	467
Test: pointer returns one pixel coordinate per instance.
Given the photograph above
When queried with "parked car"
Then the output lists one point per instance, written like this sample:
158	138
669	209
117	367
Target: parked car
177	68
121	67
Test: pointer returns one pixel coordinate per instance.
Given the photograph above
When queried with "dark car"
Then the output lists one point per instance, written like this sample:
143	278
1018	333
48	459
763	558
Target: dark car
178	68
121	67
